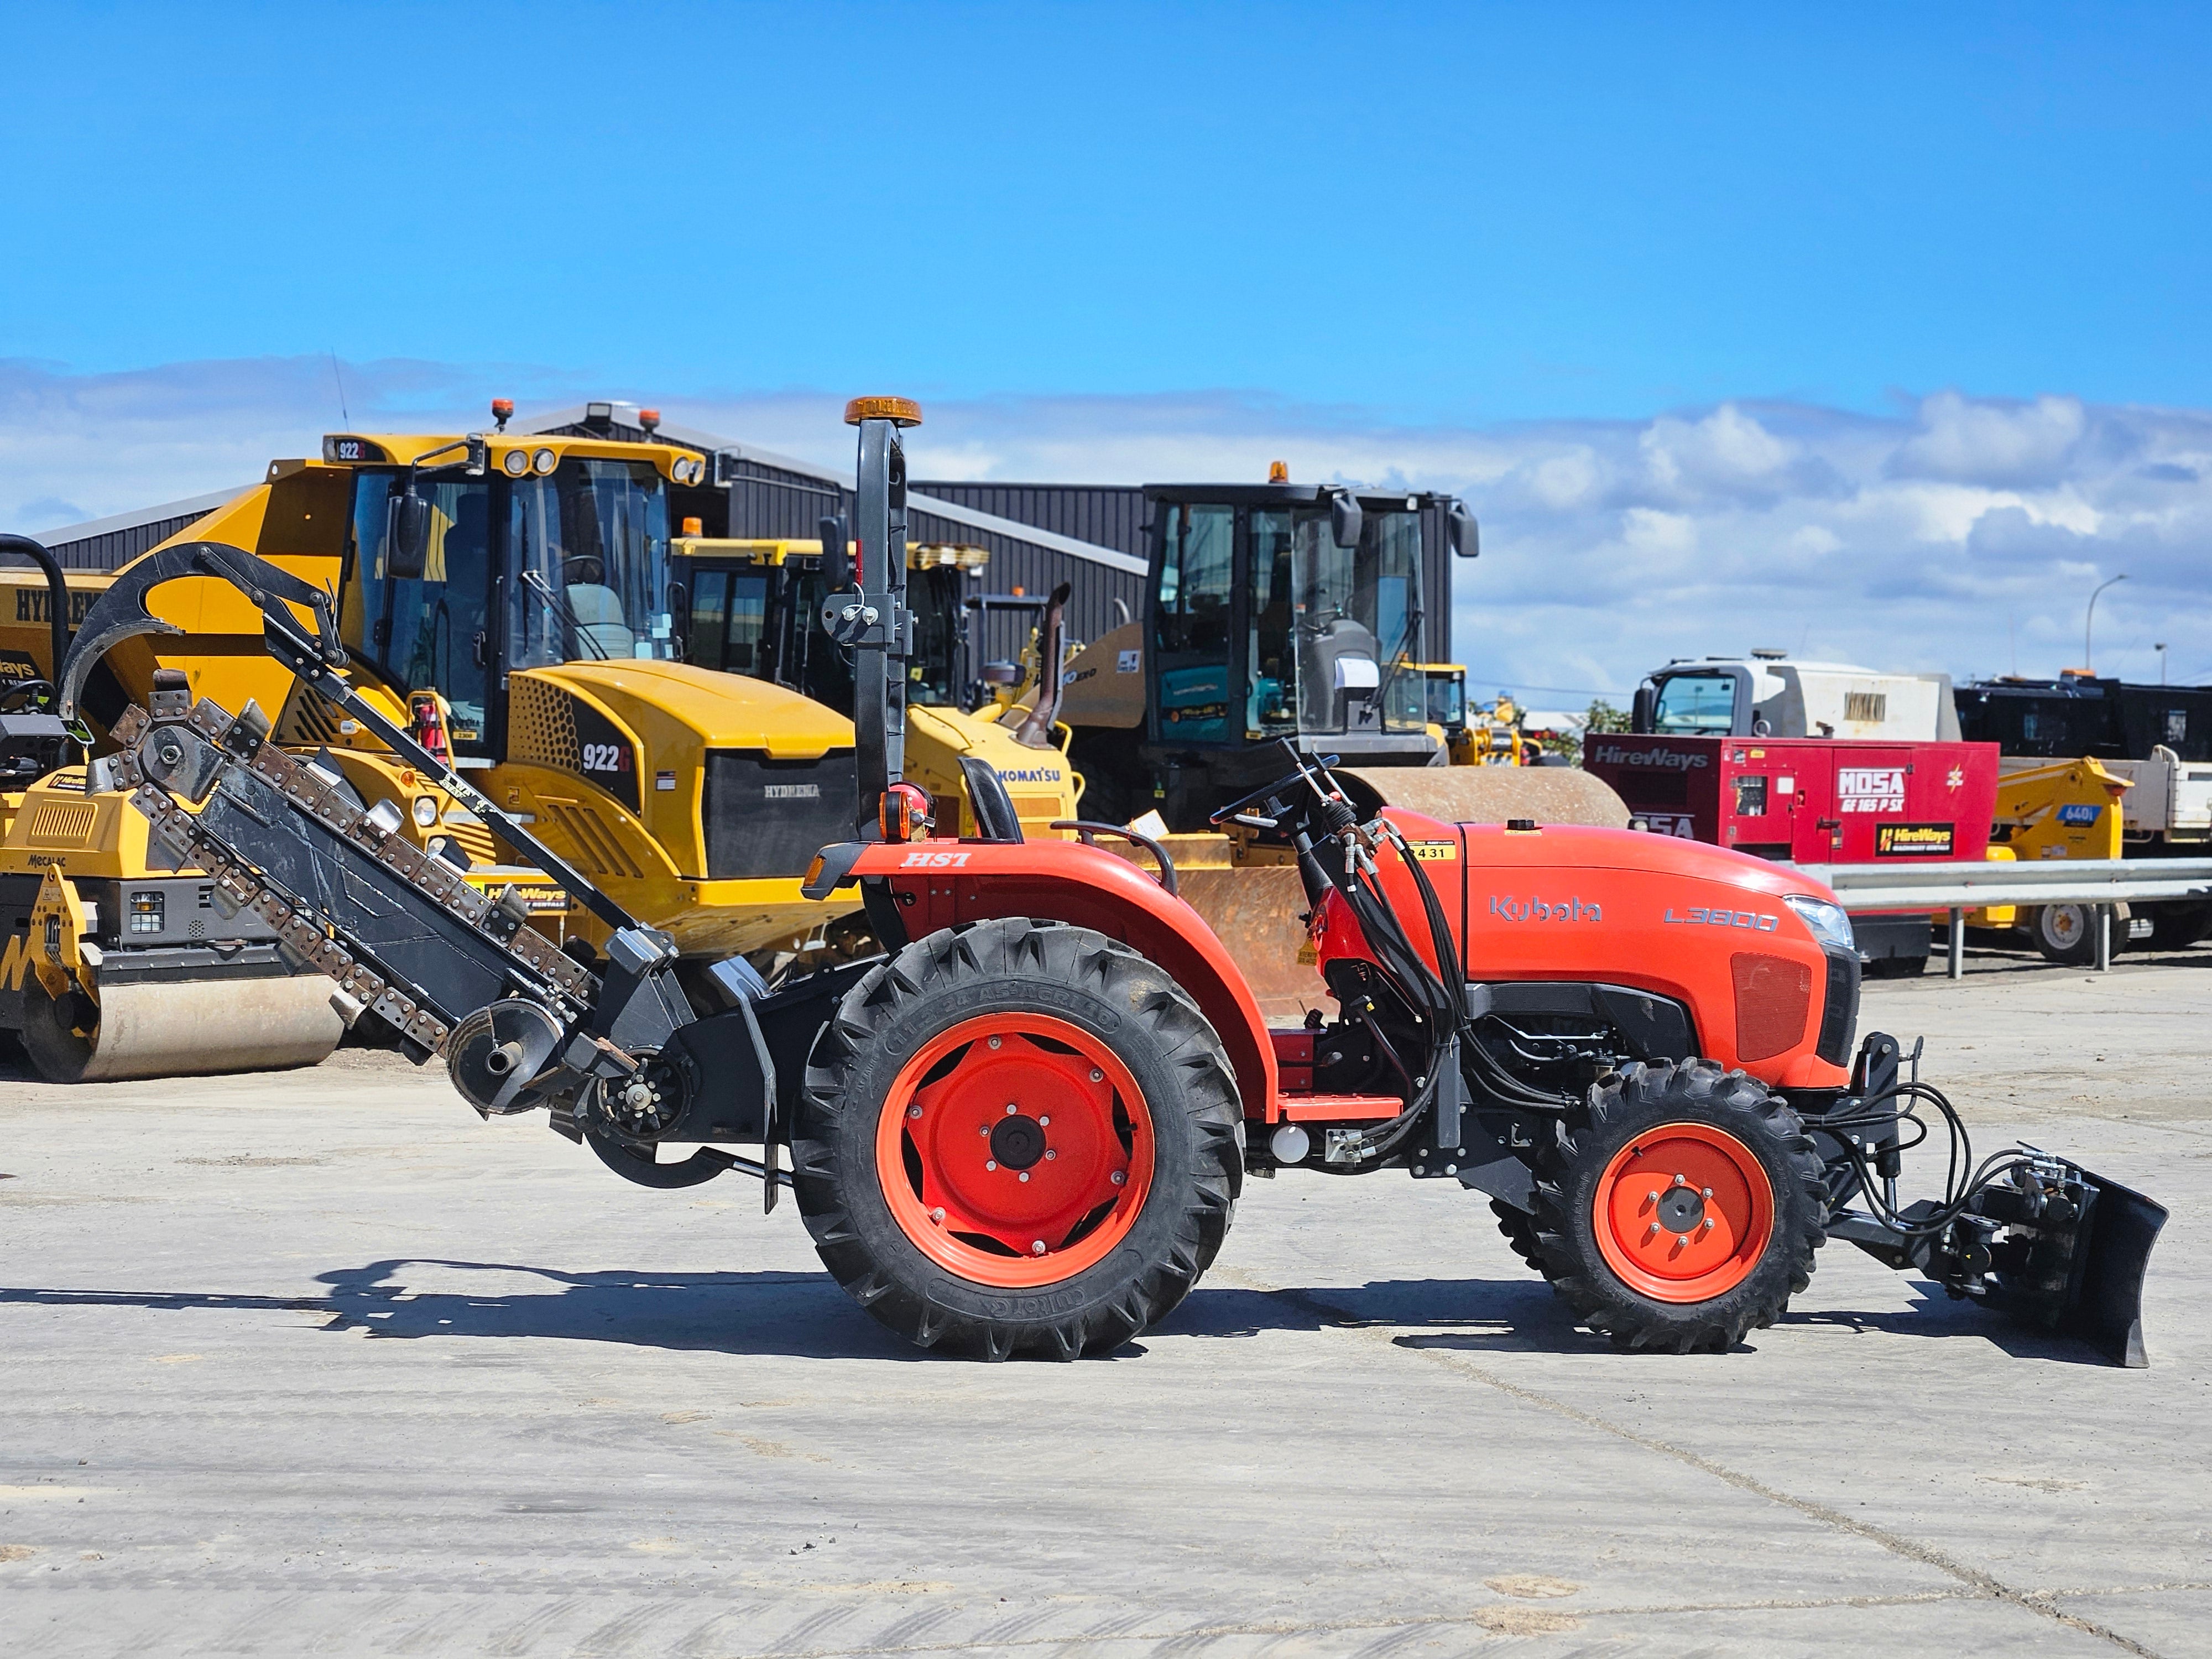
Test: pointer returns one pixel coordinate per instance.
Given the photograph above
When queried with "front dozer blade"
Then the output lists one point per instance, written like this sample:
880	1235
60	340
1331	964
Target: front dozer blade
2105	1310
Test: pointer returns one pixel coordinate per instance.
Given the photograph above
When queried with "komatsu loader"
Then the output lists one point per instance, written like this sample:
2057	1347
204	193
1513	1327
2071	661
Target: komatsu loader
1024	1126
507	600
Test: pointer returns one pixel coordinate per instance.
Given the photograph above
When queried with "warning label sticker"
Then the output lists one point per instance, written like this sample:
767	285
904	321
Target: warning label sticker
1912	840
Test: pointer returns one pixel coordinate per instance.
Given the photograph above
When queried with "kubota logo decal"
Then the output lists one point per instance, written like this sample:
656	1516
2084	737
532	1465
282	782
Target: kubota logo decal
1569	908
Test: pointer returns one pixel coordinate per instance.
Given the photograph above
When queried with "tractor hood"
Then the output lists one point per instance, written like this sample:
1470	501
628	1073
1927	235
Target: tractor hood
1555	847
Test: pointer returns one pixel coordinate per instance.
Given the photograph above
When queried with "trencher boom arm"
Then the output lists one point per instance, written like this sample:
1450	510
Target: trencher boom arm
314	658
622	1060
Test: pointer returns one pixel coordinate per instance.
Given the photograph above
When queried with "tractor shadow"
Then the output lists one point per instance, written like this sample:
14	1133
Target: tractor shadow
1518	1316
796	1315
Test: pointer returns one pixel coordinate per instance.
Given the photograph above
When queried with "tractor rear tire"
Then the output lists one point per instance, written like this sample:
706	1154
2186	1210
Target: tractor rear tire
1519	1229
1018	1137
1683	1210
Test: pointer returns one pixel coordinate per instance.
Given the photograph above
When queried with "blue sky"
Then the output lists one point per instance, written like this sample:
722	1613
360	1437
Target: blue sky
1439	237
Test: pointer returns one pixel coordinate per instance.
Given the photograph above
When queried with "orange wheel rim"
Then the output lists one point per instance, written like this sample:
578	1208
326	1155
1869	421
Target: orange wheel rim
1683	1212
1015	1150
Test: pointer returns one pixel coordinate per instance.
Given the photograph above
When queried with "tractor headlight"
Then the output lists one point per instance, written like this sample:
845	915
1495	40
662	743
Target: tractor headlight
516	461
1828	922
543	461
426	811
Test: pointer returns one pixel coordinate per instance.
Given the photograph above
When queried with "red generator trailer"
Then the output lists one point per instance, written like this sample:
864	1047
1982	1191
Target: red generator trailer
1814	800
1024	1125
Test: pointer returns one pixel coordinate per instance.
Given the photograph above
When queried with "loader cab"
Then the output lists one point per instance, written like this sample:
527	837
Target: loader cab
754	607
463	566
1264	625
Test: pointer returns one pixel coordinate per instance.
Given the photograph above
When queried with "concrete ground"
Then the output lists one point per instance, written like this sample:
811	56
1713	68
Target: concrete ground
316	1362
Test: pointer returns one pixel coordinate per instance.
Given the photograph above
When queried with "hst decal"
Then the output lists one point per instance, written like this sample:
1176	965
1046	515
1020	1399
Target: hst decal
1535	910
1697	915
932	860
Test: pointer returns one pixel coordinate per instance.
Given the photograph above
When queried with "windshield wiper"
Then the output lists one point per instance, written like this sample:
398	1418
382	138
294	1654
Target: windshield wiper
562	612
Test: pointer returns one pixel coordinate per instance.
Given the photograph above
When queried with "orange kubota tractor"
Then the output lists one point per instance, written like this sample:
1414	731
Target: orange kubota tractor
1025	1127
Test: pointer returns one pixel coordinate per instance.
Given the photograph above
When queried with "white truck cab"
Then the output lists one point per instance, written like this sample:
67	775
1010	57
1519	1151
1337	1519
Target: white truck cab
1767	695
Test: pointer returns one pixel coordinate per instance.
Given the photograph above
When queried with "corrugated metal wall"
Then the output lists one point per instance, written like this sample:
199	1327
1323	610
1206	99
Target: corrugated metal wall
1110	515
119	547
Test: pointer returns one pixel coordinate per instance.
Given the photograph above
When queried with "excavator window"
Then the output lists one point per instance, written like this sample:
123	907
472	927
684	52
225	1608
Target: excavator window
1196	598
423	632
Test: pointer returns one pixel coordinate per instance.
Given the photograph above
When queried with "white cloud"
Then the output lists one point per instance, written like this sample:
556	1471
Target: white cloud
1954	534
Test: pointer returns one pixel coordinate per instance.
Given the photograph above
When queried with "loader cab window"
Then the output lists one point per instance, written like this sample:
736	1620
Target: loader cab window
1357	614
1198	565
730	620
936	674
1696	705
589	552
425	633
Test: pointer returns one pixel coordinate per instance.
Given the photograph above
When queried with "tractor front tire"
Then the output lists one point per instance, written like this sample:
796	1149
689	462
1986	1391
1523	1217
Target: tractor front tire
1683	1208
1018	1137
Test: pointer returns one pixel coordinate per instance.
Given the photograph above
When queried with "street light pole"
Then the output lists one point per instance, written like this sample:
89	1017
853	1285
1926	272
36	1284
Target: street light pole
2161	648
2088	660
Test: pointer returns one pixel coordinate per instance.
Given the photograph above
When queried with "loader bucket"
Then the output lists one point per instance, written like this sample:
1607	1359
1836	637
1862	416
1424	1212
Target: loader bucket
2105	1309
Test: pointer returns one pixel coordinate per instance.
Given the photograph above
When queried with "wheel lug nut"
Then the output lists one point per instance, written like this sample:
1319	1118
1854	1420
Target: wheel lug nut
1681	1239
1024	1175
1118	1178
1044	1123
995	1043
1679	1182
937	1214
990	1162
983	1129
1709	1224
1651	1197
1097	1076
1050	1155
914	1111
1010	1109
1036	1246
1705	1192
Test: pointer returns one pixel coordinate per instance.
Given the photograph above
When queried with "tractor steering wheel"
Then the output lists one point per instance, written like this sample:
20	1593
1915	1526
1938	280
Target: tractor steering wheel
1287	784
36	693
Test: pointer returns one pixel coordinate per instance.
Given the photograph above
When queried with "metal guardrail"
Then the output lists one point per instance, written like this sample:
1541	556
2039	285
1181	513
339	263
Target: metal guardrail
1960	887
1863	887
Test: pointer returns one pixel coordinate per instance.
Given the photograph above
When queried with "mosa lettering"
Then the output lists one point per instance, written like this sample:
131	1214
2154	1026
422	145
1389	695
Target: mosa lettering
1569	908
1871	789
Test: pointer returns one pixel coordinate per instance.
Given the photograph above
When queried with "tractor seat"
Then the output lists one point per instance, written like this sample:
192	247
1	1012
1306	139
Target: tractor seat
996	817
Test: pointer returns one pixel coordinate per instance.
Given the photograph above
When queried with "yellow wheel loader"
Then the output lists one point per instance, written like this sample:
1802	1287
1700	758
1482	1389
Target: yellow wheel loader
505	598
756	608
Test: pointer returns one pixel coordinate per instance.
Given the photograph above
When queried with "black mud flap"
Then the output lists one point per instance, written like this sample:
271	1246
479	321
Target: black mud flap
2105	1309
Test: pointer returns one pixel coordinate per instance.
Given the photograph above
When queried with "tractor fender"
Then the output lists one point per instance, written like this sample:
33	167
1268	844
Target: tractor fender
951	884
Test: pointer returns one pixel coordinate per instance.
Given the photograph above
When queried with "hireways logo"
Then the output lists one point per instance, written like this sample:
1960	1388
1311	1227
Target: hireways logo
1665	760
1535	910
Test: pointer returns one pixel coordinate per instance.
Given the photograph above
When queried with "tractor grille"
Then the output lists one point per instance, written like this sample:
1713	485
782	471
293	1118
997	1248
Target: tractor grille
1839	1015
1773	994
768	818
